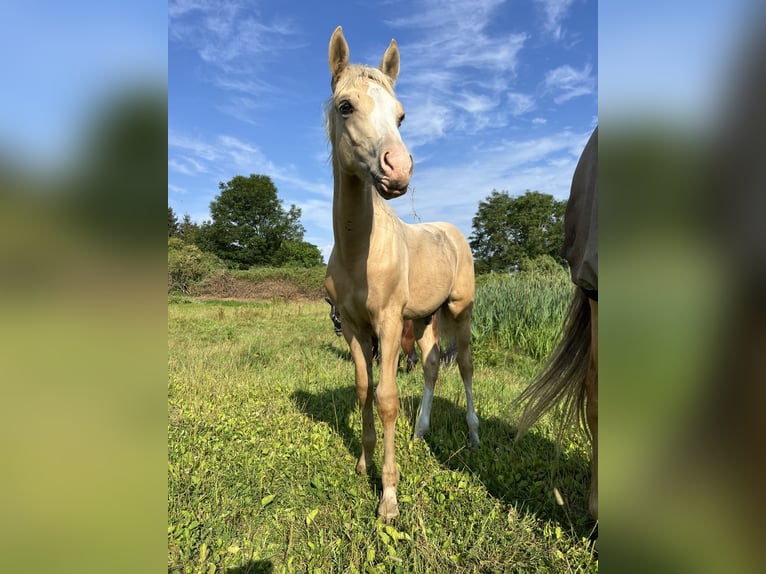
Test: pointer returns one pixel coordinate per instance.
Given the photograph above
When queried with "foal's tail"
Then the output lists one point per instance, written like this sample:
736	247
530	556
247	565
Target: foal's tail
562	380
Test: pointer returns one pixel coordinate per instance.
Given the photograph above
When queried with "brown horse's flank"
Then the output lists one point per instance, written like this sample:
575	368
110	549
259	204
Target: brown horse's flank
570	376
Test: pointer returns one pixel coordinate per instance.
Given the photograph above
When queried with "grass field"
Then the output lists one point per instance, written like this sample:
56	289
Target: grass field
263	435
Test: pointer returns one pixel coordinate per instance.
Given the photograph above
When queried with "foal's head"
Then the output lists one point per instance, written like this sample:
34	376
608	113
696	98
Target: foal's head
363	119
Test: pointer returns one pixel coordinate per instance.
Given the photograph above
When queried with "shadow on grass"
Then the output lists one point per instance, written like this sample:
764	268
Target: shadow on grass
341	352
522	474
253	567
344	354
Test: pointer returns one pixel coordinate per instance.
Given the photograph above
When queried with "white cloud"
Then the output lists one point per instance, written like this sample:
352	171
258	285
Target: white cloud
231	36
199	148
229	154
425	122
452	192
244	156
235	44
520	103
475	103
555	12
177	8
568	82
177	189
186	165
317	212
458	66
248	86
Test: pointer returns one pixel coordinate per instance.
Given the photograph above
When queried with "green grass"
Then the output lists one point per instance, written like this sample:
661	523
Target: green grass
263	435
520	313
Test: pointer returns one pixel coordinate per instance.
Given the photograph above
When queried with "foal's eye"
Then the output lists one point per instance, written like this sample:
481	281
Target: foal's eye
346	108
399	120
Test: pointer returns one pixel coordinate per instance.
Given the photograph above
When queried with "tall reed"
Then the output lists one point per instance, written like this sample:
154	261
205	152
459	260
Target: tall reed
522	311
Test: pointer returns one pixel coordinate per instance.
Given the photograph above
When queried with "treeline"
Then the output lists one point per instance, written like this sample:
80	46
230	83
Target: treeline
249	228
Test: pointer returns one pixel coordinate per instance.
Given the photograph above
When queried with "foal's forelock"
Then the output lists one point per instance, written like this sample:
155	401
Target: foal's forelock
355	73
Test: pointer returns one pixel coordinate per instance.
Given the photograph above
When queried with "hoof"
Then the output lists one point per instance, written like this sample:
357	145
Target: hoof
388	509
473	441
420	431
361	465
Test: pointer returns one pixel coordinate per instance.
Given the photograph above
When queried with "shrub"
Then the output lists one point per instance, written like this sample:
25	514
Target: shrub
187	265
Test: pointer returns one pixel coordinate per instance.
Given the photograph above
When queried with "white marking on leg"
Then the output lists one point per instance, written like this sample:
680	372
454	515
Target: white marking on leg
424	419
471	419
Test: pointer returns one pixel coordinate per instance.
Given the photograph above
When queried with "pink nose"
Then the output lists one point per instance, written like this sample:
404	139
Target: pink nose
396	164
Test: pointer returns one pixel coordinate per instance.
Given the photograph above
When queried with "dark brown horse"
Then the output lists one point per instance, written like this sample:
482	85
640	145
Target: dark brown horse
571	374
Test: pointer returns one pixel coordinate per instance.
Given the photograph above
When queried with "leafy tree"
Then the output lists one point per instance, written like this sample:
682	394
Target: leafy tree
507	230
172	223
188	230
248	224
297	254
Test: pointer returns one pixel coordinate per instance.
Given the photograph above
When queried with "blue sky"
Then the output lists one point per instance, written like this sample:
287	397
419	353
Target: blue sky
498	95
62	60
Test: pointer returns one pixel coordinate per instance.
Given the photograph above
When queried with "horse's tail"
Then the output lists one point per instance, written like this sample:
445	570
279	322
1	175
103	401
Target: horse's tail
562	380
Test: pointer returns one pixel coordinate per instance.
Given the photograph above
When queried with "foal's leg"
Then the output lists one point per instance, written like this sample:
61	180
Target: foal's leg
388	409
465	364
429	350
361	351
591	410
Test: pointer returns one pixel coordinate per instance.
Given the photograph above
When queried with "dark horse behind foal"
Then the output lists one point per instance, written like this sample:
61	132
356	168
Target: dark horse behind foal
570	376
408	339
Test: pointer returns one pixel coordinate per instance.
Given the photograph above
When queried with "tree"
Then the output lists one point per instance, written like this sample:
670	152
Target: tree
187	229
248	224
172	223
298	254
508	229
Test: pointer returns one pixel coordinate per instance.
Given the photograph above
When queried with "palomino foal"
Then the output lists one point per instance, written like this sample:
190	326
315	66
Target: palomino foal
382	270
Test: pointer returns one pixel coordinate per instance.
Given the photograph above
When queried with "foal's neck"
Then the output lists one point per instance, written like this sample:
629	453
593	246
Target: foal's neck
356	205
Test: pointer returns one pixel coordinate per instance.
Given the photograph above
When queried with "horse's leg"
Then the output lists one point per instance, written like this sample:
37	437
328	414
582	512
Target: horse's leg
462	332
408	345
429	350
591	388
361	351
388	409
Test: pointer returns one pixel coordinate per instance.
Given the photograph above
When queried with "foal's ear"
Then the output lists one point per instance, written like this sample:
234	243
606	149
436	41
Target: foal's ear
337	55
389	65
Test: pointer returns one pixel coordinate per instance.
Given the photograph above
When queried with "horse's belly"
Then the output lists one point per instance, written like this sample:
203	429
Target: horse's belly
422	303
